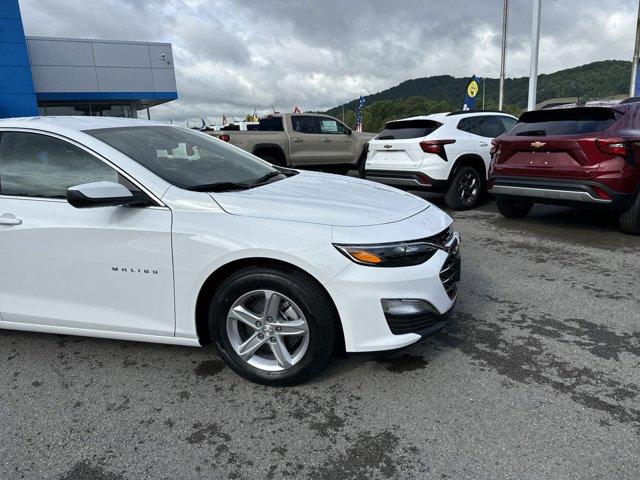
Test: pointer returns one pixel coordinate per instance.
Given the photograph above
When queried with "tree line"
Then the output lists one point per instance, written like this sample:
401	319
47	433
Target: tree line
422	96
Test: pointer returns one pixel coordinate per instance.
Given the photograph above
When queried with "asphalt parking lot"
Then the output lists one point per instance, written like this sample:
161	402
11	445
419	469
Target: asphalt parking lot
536	376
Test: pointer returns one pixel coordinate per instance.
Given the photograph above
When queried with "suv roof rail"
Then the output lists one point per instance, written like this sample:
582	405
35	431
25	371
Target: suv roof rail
630	100
462	112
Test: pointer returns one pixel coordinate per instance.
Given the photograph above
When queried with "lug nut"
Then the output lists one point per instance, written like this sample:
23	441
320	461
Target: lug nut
258	324
272	339
260	336
278	329
269	319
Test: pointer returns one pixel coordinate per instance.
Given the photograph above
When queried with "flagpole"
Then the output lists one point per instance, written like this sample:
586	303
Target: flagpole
503	56
636	54
535	47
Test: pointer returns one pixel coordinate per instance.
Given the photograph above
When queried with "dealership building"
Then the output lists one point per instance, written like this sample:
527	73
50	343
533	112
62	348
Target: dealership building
70	76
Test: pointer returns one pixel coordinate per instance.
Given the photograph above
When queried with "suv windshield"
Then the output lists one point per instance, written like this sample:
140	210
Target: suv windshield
404	129
565	121
187	159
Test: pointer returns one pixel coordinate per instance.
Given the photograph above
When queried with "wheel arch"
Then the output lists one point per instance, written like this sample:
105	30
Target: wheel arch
213	281
271	149
471	160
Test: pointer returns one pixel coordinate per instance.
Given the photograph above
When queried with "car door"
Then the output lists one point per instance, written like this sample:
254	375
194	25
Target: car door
101	269
483	128
305	141
338	144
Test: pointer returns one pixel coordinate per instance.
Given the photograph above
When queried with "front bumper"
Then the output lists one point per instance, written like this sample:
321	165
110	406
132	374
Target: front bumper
358	292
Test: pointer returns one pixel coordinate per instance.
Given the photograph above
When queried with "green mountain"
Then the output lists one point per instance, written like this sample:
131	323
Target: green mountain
598	80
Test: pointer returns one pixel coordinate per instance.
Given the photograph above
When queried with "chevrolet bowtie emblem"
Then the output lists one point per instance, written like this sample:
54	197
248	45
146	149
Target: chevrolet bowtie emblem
387	146
537	144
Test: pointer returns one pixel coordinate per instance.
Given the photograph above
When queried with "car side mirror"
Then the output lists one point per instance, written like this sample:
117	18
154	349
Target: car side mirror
103	194
349	131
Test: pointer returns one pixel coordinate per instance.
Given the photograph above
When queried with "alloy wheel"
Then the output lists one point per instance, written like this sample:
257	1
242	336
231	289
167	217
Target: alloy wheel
267	330
468	187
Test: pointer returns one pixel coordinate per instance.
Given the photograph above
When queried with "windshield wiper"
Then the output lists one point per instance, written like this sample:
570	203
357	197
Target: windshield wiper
264	178
219	187
532	133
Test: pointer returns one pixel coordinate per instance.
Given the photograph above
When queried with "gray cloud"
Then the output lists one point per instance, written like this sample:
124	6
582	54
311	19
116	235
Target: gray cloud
236	55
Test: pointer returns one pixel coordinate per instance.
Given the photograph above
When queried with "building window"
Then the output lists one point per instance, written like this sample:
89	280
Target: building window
127	110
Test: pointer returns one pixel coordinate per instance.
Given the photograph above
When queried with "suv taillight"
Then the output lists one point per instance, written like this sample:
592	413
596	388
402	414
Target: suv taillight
495	146
619	147
436	147
224	137
612	146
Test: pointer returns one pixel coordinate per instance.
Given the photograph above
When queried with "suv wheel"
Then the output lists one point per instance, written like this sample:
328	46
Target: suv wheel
512	209
273	326
630	219
465	189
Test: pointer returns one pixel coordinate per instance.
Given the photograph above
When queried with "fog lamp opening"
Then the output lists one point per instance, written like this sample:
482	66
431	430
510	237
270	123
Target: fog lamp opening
407	308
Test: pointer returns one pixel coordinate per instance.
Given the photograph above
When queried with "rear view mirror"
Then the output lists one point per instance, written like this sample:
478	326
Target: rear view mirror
103	194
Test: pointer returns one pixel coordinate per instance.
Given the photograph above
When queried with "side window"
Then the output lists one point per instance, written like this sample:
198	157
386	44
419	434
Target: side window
470	125
34	165
271	124
508	122
490	127
303	124
329	126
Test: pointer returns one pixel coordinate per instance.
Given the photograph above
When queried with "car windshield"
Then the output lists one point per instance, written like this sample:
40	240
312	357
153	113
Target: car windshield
564	121
405	129
187	159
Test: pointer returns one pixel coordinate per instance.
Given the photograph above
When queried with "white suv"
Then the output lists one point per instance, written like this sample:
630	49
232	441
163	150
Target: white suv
444	153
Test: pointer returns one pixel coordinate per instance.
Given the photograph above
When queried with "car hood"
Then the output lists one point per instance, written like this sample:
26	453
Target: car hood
325	199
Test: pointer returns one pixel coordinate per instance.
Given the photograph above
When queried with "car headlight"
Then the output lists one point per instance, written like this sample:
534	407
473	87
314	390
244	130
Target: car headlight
397	254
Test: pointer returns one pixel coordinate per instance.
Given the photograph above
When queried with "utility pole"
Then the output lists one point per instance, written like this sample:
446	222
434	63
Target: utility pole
634	64
535	47
503	57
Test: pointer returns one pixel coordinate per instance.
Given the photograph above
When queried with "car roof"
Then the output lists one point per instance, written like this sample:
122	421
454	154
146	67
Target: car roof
78	123
596	103
443	117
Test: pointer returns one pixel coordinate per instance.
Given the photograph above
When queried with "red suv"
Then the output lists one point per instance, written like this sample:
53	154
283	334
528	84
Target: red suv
575	155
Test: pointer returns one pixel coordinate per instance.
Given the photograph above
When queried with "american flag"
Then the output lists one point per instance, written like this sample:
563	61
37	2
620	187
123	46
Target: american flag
359	111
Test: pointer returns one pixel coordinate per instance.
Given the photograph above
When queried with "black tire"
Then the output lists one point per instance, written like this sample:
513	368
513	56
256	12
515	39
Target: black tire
273	160
362	162
320	314
462	194
630	218
513	209
340	170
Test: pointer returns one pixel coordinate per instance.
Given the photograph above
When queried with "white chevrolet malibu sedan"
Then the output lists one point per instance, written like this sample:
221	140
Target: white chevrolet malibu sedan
135	230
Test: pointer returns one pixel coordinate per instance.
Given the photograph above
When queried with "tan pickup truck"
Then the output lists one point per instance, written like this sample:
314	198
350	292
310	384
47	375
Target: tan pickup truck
303	140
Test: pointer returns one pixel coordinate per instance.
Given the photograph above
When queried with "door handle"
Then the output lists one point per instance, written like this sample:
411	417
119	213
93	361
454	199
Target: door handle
326	140
8	219
297	140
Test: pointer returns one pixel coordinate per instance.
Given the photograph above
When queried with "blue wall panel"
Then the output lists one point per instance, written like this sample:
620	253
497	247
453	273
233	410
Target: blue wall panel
17	93
10	9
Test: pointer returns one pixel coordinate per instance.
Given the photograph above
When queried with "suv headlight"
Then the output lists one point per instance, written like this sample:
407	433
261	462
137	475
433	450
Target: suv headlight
397	254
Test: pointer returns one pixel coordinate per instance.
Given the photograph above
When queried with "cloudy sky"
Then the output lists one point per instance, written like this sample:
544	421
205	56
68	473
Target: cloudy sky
232	56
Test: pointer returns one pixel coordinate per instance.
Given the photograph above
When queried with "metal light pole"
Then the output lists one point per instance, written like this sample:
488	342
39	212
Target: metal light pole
535	47
634	64
503	57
